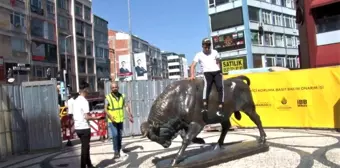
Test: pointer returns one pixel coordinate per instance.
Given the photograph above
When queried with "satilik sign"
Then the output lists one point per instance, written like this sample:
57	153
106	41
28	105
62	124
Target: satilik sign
233	64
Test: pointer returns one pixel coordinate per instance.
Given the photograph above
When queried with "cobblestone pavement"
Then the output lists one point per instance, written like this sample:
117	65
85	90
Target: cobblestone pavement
288	149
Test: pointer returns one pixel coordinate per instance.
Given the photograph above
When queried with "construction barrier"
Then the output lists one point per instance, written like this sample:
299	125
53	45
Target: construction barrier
98	127
301	98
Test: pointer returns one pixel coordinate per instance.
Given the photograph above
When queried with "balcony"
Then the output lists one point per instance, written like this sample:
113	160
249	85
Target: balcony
20	55
18	28
37	10
17	4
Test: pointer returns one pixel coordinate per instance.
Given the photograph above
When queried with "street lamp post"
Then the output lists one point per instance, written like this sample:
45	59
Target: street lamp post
130	43
66	57
66	62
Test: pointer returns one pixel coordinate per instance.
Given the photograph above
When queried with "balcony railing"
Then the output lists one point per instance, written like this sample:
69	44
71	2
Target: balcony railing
37	10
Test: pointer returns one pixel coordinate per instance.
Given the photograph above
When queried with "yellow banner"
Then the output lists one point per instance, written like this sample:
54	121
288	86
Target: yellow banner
301	98
233	64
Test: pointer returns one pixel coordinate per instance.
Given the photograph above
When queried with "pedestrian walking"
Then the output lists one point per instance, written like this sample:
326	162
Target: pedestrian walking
114	107
81	117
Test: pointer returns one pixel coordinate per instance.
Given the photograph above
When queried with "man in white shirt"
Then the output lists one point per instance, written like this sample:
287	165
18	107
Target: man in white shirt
210	62
80	111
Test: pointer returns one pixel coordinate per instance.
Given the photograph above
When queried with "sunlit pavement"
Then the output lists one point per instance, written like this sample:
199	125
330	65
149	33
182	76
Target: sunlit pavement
288	148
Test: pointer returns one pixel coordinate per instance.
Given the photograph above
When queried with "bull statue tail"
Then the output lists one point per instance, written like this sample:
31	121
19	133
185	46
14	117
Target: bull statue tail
242	77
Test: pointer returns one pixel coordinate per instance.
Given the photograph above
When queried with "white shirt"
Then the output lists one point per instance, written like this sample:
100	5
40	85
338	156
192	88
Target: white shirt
208	62
80	109
70	105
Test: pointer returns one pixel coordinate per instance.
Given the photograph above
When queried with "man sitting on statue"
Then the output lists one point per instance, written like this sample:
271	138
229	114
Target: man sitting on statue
210	62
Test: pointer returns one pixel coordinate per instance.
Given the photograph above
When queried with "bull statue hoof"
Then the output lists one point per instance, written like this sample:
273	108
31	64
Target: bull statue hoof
217	147
174	162
198	141
262	140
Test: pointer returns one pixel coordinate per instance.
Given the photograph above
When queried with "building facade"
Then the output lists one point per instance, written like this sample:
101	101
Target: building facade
28	41
177	65
254	33
75	31
101	51
319	27
149	55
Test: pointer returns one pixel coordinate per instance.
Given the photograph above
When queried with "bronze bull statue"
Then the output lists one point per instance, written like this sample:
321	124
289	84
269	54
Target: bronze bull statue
178	110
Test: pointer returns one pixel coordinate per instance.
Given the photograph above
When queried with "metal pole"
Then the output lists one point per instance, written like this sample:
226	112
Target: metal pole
130	43
66	57
131	64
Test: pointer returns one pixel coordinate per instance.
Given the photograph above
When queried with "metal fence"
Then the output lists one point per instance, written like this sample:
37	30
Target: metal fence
141	94
29	118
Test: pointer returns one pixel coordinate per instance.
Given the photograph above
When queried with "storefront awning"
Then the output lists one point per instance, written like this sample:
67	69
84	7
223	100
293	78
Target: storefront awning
319	3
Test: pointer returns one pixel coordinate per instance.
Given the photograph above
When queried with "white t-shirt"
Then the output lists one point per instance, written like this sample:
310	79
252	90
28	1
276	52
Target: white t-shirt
80	109
208	62
70	105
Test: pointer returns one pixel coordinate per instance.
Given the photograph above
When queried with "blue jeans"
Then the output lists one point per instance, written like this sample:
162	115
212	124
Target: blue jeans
116	134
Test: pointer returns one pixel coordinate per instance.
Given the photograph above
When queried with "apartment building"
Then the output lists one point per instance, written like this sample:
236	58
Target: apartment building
76	41
257	33
101	50
153	62
177	65
28	42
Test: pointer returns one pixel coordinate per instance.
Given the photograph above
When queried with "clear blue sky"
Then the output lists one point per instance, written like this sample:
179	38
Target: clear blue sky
171	25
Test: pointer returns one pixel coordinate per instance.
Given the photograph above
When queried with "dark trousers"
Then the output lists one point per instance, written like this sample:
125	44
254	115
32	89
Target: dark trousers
209	79
116	134
85	136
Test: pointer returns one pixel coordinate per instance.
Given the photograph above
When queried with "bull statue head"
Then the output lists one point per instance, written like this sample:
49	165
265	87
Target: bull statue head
159	134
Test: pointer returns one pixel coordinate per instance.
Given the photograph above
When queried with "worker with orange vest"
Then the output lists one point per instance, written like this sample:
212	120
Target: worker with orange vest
114	105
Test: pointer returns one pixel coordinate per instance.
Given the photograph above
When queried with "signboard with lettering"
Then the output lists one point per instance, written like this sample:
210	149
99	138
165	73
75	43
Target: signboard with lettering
233	64
227	42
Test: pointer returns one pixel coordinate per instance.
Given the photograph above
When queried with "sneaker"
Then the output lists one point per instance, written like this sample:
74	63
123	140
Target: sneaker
116	155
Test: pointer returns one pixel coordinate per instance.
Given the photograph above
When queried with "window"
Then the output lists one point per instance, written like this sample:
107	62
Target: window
292	62
17	19
79	28
36	3
37	28
18	44
88	31
270	61
289	41
92	83
88	48
50	9
288	21
280	61
268	39
255	38
279	40
78	9
51	31
63	4
277	19
220	2
63	22
87	11
90	66
266	17
80	46
254	14
81	65
327	18
106	53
